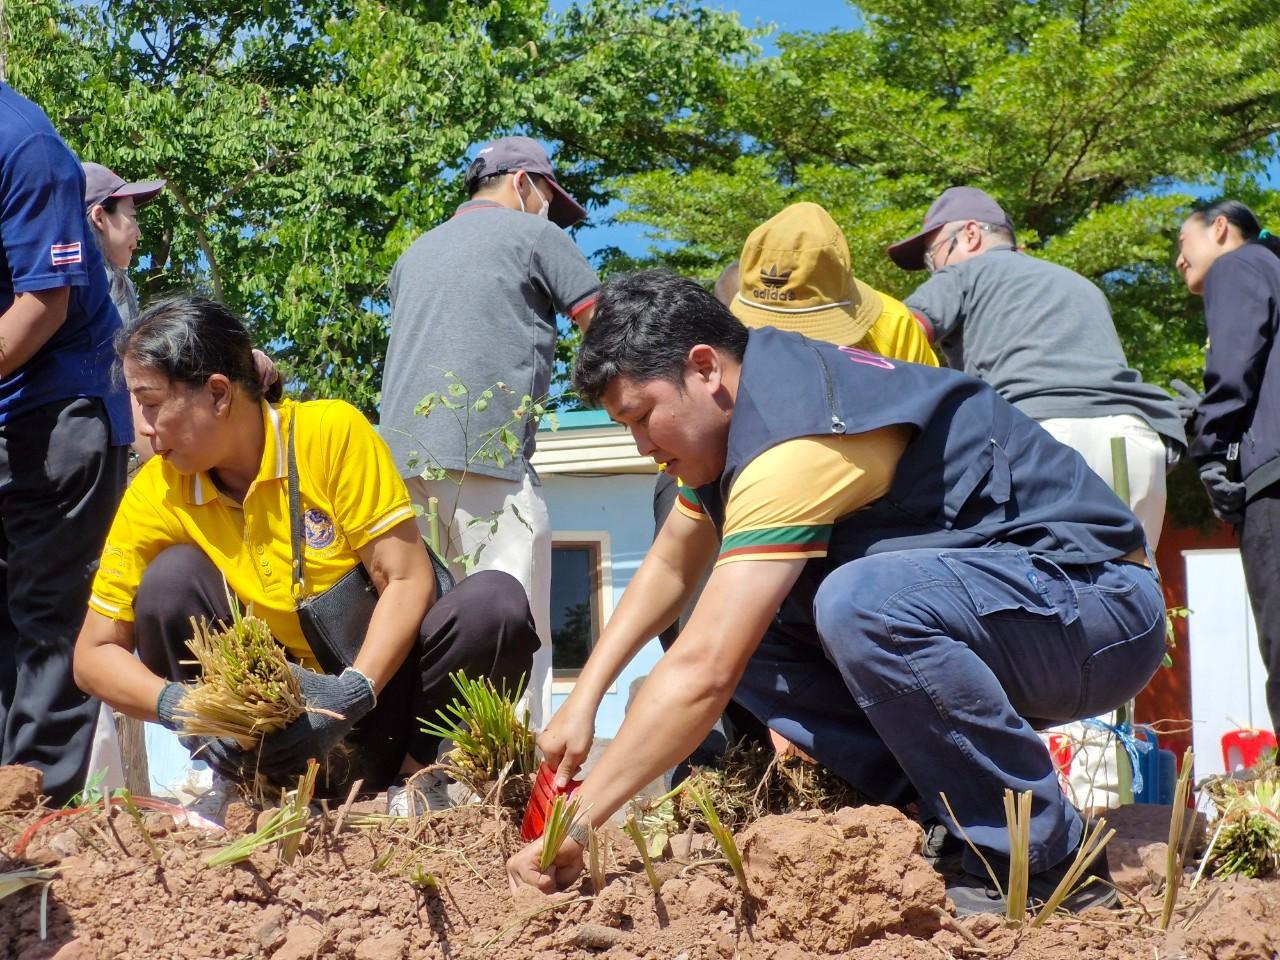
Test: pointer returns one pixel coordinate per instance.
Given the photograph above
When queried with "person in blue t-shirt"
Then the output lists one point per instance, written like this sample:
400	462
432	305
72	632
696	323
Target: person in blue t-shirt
64	435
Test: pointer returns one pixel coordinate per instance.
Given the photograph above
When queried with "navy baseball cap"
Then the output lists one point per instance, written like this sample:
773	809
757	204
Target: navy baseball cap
101	183
956	203
510	154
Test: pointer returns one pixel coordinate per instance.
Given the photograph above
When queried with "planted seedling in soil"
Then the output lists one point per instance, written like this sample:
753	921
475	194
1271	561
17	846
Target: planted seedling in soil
285	827
1179	839
595	860
632	830
488	732
561	818
723	835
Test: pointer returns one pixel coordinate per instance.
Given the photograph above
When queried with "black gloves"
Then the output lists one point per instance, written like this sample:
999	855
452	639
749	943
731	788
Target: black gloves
338	703
1226	496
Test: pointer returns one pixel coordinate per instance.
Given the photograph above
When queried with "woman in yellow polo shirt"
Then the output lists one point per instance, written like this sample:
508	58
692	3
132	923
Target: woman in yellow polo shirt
213	508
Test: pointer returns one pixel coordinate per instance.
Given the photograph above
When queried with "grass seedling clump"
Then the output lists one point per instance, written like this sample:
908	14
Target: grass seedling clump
632	830
724	836
561	818
489	734
246	689
751	781
1017	814
1246	841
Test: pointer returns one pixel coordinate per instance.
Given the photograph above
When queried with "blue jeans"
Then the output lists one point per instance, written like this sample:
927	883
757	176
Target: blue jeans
929	672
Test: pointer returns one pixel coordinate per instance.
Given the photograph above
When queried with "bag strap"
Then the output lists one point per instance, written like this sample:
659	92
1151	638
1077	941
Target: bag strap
295	514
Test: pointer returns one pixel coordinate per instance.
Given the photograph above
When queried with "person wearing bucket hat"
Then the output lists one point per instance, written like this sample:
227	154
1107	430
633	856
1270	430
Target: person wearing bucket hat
111	205
478	297
795	274
1043	336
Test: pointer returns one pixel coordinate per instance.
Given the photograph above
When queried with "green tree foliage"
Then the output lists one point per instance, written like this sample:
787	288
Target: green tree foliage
1087	119
1095	123
307	142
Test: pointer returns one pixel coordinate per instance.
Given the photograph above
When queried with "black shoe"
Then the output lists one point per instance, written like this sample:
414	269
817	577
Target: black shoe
973	894
942	849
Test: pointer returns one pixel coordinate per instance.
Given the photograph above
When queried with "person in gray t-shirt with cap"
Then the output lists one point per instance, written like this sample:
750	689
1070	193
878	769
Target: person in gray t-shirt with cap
477	297
1043	336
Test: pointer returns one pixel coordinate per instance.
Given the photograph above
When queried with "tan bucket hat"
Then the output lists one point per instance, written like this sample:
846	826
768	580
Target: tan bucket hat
795	276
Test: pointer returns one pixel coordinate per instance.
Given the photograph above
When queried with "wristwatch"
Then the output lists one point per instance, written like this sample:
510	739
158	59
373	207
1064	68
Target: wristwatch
580	832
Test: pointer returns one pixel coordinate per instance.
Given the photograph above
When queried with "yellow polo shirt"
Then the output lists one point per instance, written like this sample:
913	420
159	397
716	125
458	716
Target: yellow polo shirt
898	334
350	494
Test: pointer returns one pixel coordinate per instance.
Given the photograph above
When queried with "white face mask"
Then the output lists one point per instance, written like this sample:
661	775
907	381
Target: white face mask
544	210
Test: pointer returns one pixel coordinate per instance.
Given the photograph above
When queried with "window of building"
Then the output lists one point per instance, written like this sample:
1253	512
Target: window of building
579	586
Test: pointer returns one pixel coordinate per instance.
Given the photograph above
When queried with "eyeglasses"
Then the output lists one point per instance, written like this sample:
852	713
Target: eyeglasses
953	236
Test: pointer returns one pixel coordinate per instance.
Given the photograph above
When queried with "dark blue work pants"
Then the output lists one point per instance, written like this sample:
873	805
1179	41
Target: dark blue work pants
930	671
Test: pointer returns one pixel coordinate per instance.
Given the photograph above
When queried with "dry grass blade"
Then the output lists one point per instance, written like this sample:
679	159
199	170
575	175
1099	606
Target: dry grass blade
245	688
986	864
1093	844
723	835
298	809
1017	812
561	818
1175	859
596	861
632	830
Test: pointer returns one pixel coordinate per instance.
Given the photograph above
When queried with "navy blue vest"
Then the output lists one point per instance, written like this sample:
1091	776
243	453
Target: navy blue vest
976	473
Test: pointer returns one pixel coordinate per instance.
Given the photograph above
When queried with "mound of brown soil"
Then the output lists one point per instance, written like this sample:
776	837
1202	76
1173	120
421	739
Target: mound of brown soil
848	885
20	788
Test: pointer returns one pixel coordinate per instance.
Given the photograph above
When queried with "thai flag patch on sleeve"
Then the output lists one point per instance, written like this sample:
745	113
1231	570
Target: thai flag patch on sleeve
65	254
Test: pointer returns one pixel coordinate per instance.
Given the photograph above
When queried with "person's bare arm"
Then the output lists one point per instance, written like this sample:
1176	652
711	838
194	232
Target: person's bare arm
105	667
657	594
398	565
584	316
679	702
28	324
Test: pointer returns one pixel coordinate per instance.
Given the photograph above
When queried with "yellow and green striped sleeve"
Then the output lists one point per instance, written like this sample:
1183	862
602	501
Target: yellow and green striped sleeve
785	503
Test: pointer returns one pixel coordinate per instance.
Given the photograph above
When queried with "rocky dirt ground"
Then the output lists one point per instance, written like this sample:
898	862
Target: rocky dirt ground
848	884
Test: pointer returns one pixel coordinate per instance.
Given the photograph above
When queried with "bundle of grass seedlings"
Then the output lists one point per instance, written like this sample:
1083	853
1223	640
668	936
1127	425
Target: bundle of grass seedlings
1246	839
751	781
245	689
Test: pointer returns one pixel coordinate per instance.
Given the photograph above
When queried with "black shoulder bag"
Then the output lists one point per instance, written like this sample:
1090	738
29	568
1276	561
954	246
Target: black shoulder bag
335	622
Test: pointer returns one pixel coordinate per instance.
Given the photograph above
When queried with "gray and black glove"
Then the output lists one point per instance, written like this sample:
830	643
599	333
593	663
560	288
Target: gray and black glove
224	756
345	699
1186	399
171	696
1226	496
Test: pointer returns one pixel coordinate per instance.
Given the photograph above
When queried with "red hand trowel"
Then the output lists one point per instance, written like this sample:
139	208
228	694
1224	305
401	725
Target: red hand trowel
541	797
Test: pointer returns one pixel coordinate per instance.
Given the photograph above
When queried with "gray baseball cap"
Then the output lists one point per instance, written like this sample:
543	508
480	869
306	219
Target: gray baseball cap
956	203
510	154
101	183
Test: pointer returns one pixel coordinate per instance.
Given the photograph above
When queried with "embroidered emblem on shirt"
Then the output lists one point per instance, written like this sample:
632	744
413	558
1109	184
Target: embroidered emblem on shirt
65	254
320	531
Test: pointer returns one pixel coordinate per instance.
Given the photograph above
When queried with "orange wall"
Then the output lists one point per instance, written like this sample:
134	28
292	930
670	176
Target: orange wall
1168	695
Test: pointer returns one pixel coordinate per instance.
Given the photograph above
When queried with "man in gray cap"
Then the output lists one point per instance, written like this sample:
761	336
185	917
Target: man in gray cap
1043	336
474	302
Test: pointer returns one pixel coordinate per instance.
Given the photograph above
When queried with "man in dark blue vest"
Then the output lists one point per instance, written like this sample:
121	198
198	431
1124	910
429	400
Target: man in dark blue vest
911	577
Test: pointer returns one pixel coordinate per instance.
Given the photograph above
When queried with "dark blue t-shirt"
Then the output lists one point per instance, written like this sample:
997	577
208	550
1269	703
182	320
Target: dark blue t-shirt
45	243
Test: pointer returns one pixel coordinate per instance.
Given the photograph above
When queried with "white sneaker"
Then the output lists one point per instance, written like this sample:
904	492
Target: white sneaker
212	802
428	792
